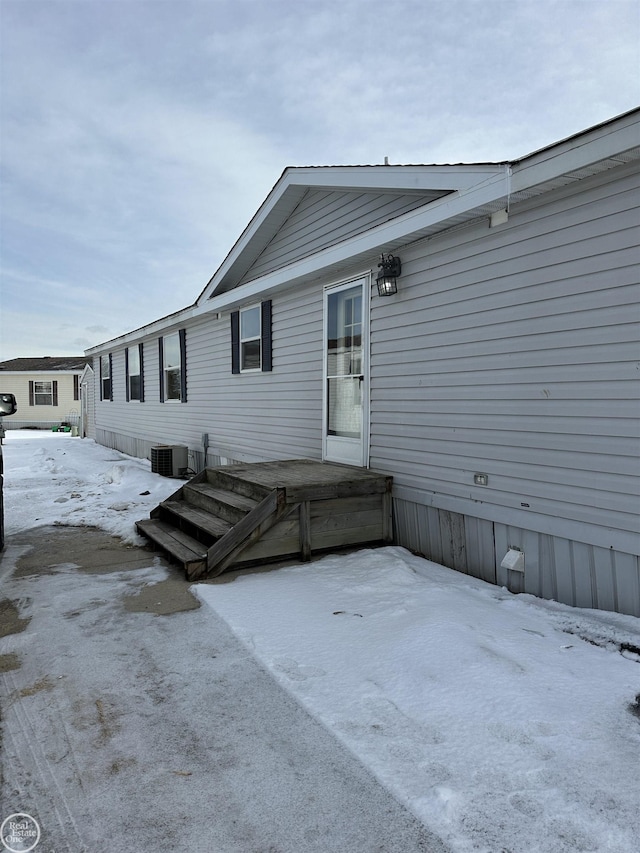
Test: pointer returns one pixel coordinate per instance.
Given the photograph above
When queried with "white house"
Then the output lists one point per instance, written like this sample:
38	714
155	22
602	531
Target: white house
498	385
47	390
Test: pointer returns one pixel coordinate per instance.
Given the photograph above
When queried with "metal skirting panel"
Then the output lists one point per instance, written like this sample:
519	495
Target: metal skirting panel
567	571
449	538
571	572
128	444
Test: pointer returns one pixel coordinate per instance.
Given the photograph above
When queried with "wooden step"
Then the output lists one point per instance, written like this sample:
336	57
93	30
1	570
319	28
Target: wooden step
182	511
232	480
230	506
190	553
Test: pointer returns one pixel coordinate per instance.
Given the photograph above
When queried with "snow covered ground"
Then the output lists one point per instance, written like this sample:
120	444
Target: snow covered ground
505	723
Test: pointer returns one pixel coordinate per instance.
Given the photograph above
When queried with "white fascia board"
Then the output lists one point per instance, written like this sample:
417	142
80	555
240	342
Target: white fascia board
490	188
601	144
22	373
158	327
398	178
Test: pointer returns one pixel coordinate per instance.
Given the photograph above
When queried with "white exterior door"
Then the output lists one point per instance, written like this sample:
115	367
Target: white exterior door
346	388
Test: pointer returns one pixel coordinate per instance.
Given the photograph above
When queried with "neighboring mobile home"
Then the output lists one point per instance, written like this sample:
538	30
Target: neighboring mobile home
498	386
47	390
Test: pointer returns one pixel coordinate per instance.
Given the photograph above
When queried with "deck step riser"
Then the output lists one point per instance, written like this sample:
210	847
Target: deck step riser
230	483
215	506
196	522
200	535
177	545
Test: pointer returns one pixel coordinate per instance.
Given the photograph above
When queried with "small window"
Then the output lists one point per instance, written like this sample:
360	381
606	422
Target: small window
251	339
173	367
43	393
106	388
135	376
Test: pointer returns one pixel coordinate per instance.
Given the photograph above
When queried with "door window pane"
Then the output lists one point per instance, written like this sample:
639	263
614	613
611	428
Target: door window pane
344	409
344	363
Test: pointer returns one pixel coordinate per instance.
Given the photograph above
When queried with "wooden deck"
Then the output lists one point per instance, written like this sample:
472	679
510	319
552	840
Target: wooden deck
239	515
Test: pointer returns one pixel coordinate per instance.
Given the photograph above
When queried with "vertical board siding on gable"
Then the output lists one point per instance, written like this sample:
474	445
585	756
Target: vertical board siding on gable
323	218
513	352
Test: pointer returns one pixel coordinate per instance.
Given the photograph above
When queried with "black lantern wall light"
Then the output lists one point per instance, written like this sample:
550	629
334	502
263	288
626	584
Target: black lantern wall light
390	269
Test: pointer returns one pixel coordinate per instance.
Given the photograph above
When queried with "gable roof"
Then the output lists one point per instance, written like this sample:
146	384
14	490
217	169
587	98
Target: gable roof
438	198
445	196
429	185
47	364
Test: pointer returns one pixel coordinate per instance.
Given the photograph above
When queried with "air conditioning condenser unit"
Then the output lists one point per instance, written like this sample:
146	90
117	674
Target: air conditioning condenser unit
169	460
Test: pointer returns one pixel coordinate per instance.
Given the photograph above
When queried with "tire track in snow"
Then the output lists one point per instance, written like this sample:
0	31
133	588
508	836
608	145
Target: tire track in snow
24	752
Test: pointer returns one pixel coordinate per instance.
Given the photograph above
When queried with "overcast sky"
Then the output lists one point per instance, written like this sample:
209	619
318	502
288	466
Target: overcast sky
139	138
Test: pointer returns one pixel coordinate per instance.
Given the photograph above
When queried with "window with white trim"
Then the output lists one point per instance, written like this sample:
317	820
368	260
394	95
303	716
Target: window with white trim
250	338
251	347
43	393
106	388
173	366
134	371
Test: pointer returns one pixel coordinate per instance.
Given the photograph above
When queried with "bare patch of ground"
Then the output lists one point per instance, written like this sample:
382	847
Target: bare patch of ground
9	661
172	595
92	551
10	620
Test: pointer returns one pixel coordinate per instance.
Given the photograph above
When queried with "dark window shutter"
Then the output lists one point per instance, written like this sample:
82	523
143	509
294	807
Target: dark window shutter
235	342
141	353
111	377
161	360
266	335
126	375
76	386
55	392
32	396
182	334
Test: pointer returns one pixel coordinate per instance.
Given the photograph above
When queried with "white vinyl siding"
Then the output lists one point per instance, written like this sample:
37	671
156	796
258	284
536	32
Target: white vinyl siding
323	217
276	415
513	352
